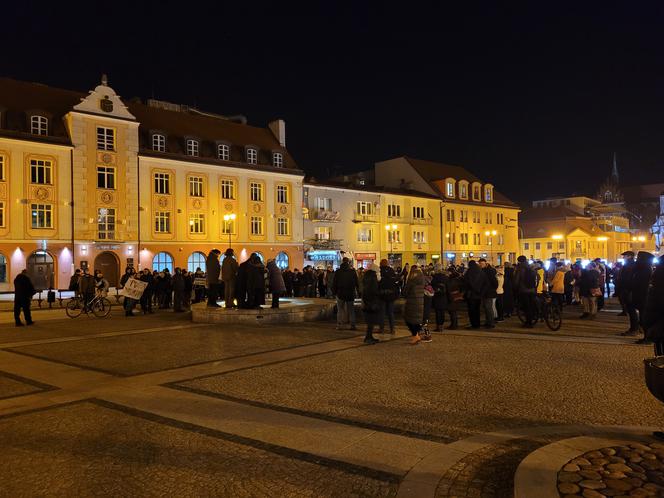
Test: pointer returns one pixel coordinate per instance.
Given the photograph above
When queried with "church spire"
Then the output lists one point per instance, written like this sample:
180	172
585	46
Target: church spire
614	171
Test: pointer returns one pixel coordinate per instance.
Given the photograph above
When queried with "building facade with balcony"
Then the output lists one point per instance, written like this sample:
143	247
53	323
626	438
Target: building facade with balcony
93	180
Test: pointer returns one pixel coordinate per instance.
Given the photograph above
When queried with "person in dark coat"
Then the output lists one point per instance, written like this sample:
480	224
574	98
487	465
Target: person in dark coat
653	313
178	285
23	292
439	283
625	279
388	288
74	280
455	291
568	286
255	282
477	286
508	290
345	286
277	284
288	282
489	299
588	285
146	298
413	291
524	284
213	270
371	303
640	283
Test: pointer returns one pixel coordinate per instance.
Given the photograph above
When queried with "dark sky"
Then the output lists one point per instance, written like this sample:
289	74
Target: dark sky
533	96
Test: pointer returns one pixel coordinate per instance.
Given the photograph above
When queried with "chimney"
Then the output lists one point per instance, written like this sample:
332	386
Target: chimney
278	129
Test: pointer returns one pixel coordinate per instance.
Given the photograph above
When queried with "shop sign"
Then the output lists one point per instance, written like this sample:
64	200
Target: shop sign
106	247
322	255
360	256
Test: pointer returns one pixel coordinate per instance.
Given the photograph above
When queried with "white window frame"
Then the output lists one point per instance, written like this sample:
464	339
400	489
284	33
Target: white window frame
256	192
3	217
463	190
394	236
323	203
43	212
227	187
323	233
192	147
3	162
488	193
228	227
419	237
105	138
252	155
162	222
41	168
196	223
224	152
365	235
283	226
256	225
162	182
277	160
158	142
38	125
283	194
365	208
106	223
449	189
418	212
107	176
195	186
394	210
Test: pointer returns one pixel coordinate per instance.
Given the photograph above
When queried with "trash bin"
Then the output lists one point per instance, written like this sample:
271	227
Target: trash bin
654	372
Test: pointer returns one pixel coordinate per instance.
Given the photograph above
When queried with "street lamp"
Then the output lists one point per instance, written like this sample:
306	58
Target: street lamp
491	234
392	227
228	218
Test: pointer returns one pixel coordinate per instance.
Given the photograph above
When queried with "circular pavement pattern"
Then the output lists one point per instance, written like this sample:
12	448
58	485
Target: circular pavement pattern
634	470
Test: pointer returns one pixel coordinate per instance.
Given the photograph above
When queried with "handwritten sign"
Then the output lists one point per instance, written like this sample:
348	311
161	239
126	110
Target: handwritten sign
200	281
133	289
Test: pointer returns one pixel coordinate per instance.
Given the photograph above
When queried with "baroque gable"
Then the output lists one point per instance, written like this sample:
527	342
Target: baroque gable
104	101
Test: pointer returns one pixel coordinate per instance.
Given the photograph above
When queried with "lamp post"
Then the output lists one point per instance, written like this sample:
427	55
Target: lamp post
227	219
491	234
392	227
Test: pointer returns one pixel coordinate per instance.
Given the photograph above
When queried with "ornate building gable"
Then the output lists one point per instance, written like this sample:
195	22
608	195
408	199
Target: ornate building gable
104	101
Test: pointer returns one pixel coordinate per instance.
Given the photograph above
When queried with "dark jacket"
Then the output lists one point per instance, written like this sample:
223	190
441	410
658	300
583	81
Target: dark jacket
641	278
178	283
589	280
653	321
477	284
23	288
508	288
413	291
345	283
212	269
255	276
229	269
371	298
492	281
440	293
276	278
525	279
388	286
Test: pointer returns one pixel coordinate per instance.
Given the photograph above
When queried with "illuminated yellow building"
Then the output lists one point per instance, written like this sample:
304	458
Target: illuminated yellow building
92	180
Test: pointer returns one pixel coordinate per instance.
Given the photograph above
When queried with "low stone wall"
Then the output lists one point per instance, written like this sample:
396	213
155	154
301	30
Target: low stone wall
293	311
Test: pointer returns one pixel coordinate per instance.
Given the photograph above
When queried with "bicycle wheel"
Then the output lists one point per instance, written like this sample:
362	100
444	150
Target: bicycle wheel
101	307
73	308
554	317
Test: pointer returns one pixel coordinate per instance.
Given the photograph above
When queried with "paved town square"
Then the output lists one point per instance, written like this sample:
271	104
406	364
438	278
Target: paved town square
155	405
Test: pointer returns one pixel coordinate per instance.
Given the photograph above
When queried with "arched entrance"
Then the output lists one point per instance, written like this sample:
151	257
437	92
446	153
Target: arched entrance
41	269
107	263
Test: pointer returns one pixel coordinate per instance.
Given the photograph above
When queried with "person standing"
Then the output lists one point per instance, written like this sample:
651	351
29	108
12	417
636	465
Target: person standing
413	291
525	286
508	290
371	305
500	292
213	269
345	286
477	285
653	316
558	285
388	289
229	275
439	301
74	281
146	297
489	299
255	282
588	290
454	297
277	284
23	292
640	282
178	285
626	296
87	285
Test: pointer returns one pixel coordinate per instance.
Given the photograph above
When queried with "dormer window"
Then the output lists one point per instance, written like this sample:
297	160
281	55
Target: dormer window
252	155
192	147
463	189
450	188
277	160
158	142
488	193
39	125
477	192
224	152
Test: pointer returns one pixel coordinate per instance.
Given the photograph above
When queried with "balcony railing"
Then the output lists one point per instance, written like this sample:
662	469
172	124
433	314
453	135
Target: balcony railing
365	218
421	221
324	215
324	244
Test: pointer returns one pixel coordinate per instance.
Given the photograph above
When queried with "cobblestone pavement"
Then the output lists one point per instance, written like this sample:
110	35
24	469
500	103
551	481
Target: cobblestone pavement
88	450
11	386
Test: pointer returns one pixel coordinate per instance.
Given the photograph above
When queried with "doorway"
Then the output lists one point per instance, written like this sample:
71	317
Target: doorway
41	270
107	263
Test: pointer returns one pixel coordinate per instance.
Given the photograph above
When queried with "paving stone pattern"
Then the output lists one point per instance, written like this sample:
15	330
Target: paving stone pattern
616	471
87	450
11	387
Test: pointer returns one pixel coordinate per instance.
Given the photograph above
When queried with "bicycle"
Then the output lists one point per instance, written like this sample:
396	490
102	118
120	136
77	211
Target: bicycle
98	305
548	311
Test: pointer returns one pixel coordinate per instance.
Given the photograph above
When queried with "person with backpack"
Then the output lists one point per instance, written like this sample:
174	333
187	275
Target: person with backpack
525	286
489	299
388	290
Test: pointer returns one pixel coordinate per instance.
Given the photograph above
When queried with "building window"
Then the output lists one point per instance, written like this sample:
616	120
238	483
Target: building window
192	147
488	217
2	168
364	208
105	177
323	233
393	236
159	143
281	260
501	240
106	223
42	215
39	125
464	238
393	211
323	204
277	160
537	246
252	156
162	183
450	214
256	225
224	152
256	191
561	246
463	190
162	261
418	212
418	237
449	189
477	192
196	186
365	234
227	189
549	245
282	194
526	246
196	261
162	222
463	215
477	240
3	268
500	218
476	216
105	138
488	193
283	226
2	215
41	171
196	223
228	227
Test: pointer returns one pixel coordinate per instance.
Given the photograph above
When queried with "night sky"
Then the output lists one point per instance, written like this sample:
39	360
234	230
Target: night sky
534	97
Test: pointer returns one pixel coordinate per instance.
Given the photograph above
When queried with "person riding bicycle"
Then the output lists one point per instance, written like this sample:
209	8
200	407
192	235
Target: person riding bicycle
86	286
101	285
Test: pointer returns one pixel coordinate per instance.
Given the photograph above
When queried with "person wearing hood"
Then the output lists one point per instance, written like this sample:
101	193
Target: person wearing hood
101	284
371	304
255	282
276	279
413	291
477	286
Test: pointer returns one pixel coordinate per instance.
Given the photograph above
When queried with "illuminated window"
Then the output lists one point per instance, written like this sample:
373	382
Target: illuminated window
196	223
449	189
364	208
105	177
227	189
463	190
162	222
2	168
283	226
477	188
159	142
41	171
42	215
252	156
162	183
393	236
195	261
224	152
323	233
196	186
323	203
256	225
488	193
277	160
256	191
282	194
192	147
2	215
365	234
418	237
39	125
228	227
105	138
162	261
106	223
281	260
